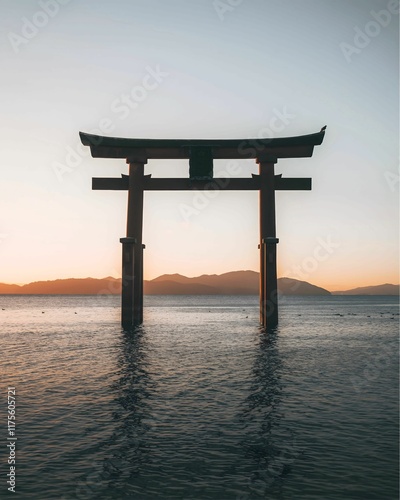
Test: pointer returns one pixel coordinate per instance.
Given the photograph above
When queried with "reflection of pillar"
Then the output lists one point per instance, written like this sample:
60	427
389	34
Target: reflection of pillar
128	261
134	230
268	240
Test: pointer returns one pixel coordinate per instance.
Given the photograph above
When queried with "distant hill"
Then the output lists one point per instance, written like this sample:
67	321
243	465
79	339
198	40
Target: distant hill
83	286
169	287
290	286
9	289
233	283
386	289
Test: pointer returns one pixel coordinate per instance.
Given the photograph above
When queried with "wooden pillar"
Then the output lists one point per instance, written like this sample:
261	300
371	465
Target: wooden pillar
262	282
134	231
140	278
268	241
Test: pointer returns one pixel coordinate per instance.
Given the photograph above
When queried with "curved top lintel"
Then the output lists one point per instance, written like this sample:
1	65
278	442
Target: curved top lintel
120	142
117	147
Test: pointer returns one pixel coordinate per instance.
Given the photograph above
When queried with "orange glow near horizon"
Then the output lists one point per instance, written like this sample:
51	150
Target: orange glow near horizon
327	278
220	239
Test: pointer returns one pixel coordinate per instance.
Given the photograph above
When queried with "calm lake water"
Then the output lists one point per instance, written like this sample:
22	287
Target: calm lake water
199	403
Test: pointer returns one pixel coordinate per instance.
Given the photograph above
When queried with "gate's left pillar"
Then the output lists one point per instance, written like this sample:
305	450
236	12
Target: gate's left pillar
134	230
268	241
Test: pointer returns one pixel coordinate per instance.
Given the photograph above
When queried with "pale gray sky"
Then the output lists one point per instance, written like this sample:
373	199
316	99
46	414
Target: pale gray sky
198	69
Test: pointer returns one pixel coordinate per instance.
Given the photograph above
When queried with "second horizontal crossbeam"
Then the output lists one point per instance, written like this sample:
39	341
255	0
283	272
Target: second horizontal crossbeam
183	184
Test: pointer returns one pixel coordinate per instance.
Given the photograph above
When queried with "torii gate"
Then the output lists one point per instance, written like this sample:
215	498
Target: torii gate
201	153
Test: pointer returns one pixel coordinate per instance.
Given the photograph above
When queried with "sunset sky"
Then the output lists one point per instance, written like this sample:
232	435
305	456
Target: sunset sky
200	69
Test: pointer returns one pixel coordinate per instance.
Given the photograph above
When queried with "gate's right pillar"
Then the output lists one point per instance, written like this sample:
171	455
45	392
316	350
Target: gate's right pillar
268	242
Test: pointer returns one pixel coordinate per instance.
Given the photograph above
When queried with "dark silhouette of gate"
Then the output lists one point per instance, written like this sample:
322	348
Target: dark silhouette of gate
200	153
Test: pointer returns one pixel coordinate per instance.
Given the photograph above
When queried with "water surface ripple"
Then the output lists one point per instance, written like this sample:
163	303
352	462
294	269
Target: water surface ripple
200	403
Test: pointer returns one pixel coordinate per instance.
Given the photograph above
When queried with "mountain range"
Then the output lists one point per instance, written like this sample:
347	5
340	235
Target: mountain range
232	283
386	289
